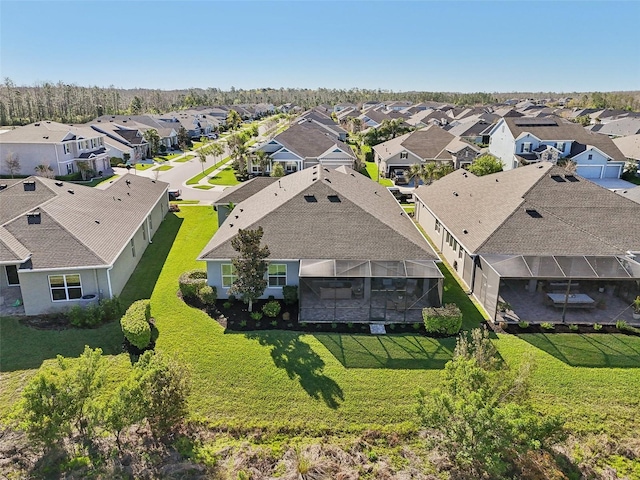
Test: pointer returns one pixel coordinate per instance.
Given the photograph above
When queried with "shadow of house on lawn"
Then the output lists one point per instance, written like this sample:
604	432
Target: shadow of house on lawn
407	352
594	351
144	278
301	362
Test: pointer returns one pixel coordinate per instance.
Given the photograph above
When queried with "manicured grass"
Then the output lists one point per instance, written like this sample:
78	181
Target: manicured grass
409	208
196	179
372	173
184	159
196	144
163	168
184	202
166	158
143	166
203	187
225	177
335	382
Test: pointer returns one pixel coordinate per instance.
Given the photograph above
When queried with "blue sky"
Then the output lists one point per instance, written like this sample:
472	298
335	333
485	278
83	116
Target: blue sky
417	45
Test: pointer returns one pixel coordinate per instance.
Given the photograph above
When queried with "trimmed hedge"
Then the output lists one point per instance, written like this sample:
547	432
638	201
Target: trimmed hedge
271	309
135	324
191	282
290	294
208	295
446	320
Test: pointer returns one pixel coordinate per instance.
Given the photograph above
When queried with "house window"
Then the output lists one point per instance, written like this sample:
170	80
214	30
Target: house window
255	169
438	226
12	275
144	233
460	252
133	248
291	167
150	223
590	157
527	146
404	155
79	145
560	146
65	287
66	147
277	275
69	168
228	274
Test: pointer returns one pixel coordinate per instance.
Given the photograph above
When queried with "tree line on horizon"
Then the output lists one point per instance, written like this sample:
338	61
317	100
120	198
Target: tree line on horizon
71	103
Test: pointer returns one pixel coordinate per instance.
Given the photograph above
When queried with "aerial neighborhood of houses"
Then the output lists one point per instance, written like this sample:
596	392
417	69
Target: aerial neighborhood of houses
359	204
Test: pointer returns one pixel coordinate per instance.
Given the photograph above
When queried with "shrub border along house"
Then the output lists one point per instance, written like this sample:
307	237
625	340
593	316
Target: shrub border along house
445	320
191	282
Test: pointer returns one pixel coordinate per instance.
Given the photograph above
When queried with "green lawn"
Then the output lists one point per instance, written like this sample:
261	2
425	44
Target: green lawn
184	202
99	181
196	179
143	166
196	144
162	168
372	173
184	159
337	382
224	177
203	187
166	158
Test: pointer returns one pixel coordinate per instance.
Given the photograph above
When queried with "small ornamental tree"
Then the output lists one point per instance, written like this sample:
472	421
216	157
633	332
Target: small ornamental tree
277	170
250	265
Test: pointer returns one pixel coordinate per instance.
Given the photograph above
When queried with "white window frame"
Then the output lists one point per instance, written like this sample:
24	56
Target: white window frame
6	272
560	146
66	147
437	228
404	155
229	278
526	146
133	247
65	287
277	276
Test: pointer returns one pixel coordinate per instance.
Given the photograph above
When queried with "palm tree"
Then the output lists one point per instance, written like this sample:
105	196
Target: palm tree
416	172
429	171
262	159
444	169
216	149
44	171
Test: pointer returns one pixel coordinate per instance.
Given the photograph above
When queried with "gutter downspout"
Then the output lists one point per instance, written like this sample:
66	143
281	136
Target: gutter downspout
148	229
109	281
57	159
473	272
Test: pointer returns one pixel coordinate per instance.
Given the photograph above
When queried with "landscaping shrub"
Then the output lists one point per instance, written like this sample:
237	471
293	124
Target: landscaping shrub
257	316
115	161
597	327
271	309
523	324
573	327
135	324
208	295
547	326
446	320
191	282
290	294
226	305
112	308
85	317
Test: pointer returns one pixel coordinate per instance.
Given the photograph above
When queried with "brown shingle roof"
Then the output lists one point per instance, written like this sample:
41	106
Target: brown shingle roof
366	223
309	141
574	216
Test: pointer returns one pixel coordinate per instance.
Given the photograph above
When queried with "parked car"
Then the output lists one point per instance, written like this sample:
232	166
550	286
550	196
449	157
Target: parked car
175	194
399	177
402	197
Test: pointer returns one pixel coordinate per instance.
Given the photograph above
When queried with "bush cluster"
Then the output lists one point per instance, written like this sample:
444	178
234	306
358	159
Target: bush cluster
290	294
191	282
271	309
107	310
446	320
135	324
208	295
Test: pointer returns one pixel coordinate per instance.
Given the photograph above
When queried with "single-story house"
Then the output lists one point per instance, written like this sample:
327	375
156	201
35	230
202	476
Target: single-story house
63	244
537	243
342	239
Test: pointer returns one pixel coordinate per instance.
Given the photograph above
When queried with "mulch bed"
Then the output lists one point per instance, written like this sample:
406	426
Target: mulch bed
563	328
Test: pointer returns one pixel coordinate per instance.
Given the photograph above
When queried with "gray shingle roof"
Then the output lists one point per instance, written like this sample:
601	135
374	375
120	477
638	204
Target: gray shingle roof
366	223
562	130
308	140
88	227
241	192
573	217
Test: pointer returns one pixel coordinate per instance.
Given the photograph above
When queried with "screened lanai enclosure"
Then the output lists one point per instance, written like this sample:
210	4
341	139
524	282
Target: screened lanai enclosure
368	291
558	289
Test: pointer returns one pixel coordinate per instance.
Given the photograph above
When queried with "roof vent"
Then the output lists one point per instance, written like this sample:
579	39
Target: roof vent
231	225
455	194
333	198
97	221
36	124
557	178
59	184
310	198
326	169
571	178
33	218
128	182
3	186
533	213
72	192
465	231
29	185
